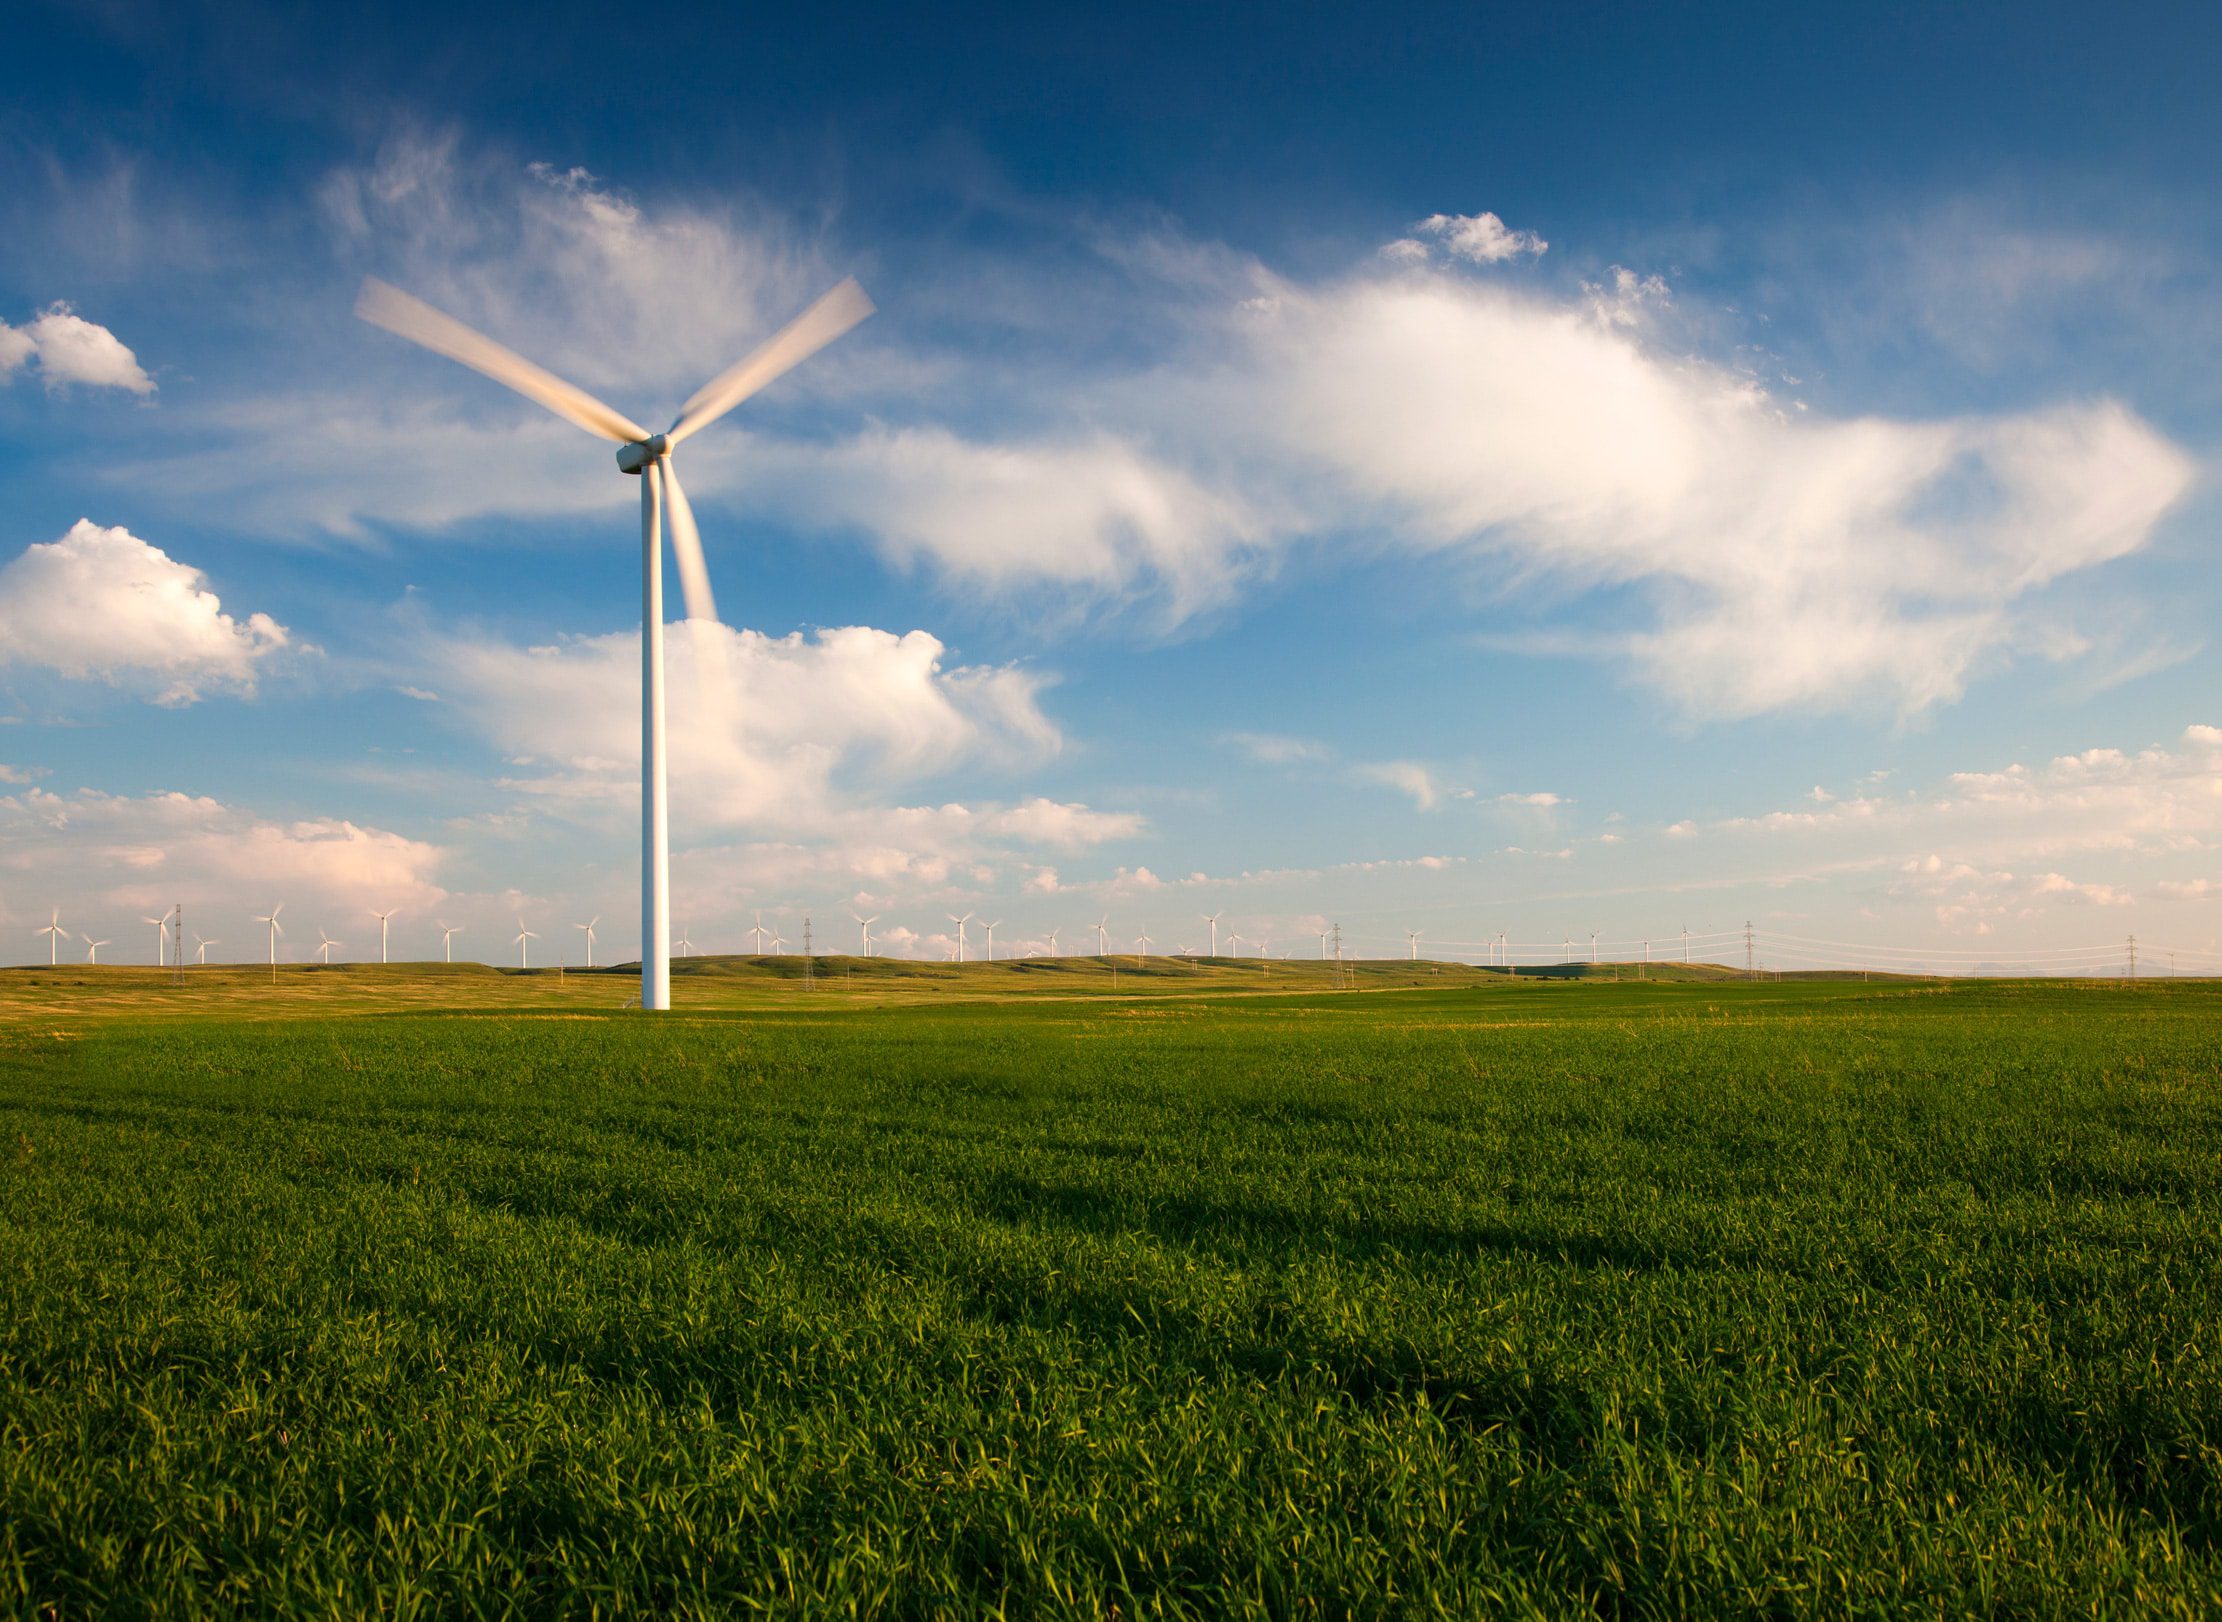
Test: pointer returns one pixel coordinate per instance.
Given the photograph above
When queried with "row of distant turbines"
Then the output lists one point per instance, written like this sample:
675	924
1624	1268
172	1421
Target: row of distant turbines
765	941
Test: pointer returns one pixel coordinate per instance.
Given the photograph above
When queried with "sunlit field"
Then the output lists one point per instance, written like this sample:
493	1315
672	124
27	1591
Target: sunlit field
1007	1287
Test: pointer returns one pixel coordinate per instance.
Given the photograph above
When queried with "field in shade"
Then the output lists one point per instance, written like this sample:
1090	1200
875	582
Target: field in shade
1215	1291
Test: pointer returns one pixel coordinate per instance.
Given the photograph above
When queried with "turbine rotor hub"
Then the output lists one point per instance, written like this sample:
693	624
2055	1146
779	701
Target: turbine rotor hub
634	458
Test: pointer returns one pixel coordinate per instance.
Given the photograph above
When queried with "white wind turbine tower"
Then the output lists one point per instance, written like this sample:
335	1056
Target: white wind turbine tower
324	945
200	949
777	942
1142	944
1413	936
381	917
759	932
649	456
1212	918
685	946
55	934
1323	946
1053	943
960	923
276	929
524	951
865	924
448	932
161	940
1234	945
92	949
1593	945
1100	922
991	940
589	928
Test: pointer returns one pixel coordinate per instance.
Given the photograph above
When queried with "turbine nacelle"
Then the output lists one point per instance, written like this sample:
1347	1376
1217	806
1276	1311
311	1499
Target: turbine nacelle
635	457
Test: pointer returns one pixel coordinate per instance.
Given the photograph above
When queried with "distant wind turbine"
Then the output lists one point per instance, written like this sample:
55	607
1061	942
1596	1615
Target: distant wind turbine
1142	944
685	946
960	923
92	949
382	917
1053	943
200	949
1413	936
589	928
649	456
276	929
55	934
1234	944
161	940
524	951
777	942
1323	946
324	945
865	924
759	932
1593	934
1212	918
991	940
448	932
1100	922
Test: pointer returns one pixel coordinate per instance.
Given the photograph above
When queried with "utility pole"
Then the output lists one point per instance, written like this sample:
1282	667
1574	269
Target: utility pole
809	957
1685	943
2133	957
1747	949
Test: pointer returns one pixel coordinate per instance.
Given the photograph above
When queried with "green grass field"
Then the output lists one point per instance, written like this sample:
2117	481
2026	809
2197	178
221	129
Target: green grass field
999	1290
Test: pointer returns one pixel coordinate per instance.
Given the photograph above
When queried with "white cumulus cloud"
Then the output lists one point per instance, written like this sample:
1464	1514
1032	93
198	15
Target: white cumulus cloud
69	349
1482	238
100	603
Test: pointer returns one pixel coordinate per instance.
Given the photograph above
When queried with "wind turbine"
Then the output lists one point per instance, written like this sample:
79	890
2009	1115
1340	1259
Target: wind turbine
448	932
648	456
1234	944
92	949
381	917
960	923
55	934
1323	946
1100	922
200	950
1593	945
865	924
1053	943
524	951
1413	936
276	929
991	940
686	947
1142	944
777	942
759	932
324	945
161	940
589	928
1212	918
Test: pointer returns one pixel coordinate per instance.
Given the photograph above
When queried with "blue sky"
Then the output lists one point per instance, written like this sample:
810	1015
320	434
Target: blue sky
1454	469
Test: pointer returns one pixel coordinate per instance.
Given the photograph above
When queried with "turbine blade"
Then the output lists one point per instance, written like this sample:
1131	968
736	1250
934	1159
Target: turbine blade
384	305
686	547
802	337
